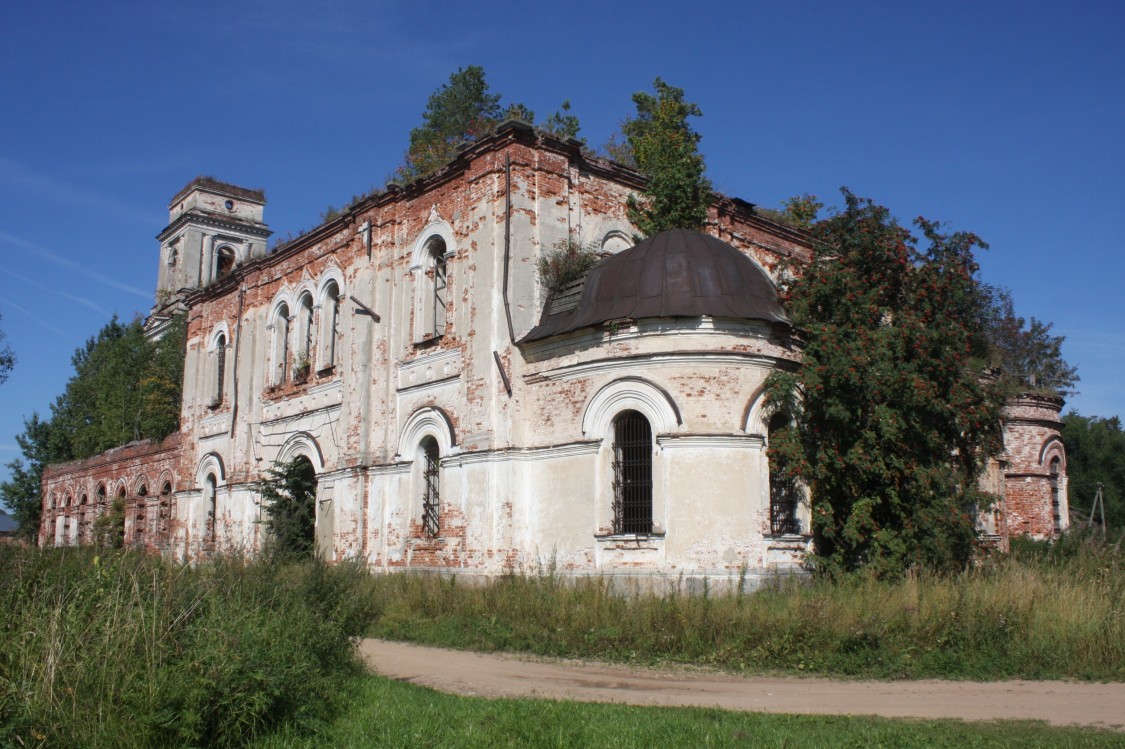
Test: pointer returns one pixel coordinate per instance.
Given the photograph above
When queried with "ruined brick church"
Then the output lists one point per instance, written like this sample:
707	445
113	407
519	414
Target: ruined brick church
460	416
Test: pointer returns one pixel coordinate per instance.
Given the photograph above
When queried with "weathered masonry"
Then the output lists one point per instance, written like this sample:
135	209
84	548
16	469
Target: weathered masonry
458	415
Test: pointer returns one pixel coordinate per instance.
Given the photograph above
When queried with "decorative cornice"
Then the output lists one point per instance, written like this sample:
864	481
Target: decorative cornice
211	220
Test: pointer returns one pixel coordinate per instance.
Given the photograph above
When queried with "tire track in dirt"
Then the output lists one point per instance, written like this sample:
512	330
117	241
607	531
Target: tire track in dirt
503	675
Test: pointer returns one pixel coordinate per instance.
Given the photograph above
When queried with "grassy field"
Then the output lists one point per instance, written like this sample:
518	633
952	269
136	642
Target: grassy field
124	650
121	649
392	714
1041	613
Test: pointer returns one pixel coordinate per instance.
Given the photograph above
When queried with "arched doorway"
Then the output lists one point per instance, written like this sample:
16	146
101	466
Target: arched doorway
289	500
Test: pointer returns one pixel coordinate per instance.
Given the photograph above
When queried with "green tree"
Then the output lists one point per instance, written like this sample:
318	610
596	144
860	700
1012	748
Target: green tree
1024	353
124	388
664	147
289	499
461	110
21	493
7	359
562	124
1095	454
892	425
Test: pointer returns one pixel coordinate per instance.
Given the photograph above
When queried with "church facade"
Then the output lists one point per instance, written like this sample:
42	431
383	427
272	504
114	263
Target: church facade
461	416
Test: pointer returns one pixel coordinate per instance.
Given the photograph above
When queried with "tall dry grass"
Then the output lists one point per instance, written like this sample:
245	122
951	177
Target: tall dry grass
122	649
1047	612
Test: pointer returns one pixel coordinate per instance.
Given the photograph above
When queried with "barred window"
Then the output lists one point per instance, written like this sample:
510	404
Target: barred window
784	493
431	478
632	474
220	368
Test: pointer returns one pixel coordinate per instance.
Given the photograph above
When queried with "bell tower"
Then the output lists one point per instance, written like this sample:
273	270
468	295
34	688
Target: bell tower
213	227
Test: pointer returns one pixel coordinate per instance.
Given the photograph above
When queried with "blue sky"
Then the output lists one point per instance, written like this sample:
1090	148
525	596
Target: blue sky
1007	119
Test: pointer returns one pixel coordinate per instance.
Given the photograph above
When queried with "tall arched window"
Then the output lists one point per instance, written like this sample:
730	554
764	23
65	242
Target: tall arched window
784	493
220	370
1056	506
330	325
165	510
430	456
140	516
632	473
432	292
302	363
83	518
210	502
280	343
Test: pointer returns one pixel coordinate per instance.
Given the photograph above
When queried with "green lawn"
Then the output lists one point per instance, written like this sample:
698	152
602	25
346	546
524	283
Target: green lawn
385	713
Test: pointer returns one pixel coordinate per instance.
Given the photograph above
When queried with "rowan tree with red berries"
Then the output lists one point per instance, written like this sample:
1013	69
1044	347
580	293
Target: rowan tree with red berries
892	418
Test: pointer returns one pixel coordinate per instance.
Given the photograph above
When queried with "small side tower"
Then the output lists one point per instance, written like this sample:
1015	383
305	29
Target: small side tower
1035	499
213	227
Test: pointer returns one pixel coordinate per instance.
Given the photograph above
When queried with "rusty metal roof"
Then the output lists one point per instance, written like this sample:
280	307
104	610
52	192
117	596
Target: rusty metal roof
678	273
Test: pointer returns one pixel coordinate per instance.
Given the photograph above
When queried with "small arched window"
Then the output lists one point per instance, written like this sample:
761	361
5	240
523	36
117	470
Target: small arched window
784	492
632	474
431	487
280	343
224	262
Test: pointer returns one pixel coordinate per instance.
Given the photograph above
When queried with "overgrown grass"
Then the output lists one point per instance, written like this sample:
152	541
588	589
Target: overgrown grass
386	713
1041	612
126	650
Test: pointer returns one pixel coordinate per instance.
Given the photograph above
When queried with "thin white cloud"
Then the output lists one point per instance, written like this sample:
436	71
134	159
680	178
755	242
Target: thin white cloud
65	295
53	257
9	304
20	177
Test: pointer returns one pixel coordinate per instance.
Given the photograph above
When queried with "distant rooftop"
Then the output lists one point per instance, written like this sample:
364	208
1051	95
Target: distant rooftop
215	185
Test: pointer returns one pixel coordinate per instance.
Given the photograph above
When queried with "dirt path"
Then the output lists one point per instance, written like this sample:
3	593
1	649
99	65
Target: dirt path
476	674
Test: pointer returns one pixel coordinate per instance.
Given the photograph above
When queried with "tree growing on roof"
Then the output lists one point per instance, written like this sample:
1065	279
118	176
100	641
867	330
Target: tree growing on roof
461	110
892	422
663	146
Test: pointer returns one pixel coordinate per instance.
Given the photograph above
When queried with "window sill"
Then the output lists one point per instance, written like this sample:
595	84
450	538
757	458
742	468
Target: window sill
630	541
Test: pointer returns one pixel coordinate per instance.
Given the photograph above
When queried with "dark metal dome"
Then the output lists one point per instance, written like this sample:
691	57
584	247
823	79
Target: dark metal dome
678	273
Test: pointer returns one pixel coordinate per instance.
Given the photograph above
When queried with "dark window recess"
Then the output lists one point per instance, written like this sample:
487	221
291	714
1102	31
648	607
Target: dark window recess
632	474
220	368
1056	516
784	494
431	498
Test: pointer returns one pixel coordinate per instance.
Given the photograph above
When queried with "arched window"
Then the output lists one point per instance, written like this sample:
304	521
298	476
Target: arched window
210	502
784	493
430	456
330	325
224	262
83	518
302	364
1056	506
632	473
280	343
140	516
220	370
165	509
430	313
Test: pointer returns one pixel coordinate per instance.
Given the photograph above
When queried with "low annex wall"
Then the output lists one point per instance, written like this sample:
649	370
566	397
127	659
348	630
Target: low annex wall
144	475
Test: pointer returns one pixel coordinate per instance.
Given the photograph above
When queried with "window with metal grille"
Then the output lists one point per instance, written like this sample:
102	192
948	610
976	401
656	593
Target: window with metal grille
784	493
220	367
431	498
1056	513
632	474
